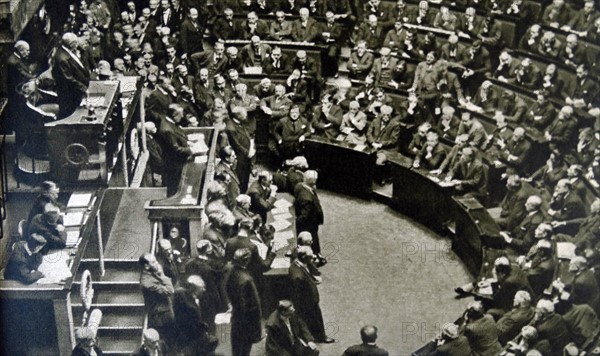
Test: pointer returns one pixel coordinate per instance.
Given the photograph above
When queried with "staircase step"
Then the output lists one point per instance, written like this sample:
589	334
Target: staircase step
115	271
117	341
116	318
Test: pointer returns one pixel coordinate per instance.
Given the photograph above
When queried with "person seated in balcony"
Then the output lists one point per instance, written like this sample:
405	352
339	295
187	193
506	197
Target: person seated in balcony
280	29
49	226
360	62
473	128
557	14
573	53
25	259
418	139
531	39
431	155
468	174
541	113
383	133
549	45
327	118
445	19
354	124
371	32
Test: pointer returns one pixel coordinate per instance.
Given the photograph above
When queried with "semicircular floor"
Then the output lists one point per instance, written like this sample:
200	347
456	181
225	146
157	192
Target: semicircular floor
384	269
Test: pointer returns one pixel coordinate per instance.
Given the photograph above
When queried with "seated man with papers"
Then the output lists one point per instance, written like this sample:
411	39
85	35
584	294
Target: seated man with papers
25	259
48	226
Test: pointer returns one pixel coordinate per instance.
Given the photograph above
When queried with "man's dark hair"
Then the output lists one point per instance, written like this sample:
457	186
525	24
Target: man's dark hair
368	333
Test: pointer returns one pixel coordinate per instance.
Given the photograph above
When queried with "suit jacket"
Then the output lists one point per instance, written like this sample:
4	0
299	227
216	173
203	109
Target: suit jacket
174	143
586	90
17	72
268	65
562	131
523	233
584	289
333	118
365	350
307	207
23	266
509	326
437	156
382	75
554	330
38	225
449	24
249	58
306	33
191	37
457	347
504	291
261	201
280	108
363	64
423	20
223	30
561	15
289	131
544	112
373	37
280	342
568	207
394	40
306	293
244	298
483	336
388	136
157	105
158	297
582	323
471	174
72	80
281	31
261	30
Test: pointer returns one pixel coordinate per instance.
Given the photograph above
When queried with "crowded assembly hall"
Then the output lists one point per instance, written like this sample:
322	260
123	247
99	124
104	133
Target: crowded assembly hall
204	133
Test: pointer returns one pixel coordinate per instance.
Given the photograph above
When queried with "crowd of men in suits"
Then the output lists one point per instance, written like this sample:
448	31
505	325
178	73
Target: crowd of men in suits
193	77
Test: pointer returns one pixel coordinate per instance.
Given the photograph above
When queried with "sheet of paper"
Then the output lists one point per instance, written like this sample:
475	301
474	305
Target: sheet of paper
359	147
73	219
201	159
223	318
72	238
280	225
278	244
280	262
282	216
285	235
54	267
277	211
282	203
565	250
79	200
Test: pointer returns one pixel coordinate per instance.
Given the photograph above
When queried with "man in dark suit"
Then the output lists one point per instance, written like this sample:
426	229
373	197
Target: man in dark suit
175	146
49	226
306	295
18	70
561	132
254	53
152	345
277	62
521	237
290	133
194	318
470	173
242	144
25	259
244	298
71	75
158	292
226	28
583	286
253	26
513	205
309	213
305	29
191	34
509	326
566	205
287	334
261	195
368	335
225	168
431	155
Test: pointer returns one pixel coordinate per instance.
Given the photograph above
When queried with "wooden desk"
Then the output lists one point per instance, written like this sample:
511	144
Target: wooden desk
45	309
187	205
342	167
420	197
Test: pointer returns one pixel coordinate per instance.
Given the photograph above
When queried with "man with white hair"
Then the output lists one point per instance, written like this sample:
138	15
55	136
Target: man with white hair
445	19
520	315
550	326
71	75
583	287
305	29
562	131
151	344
